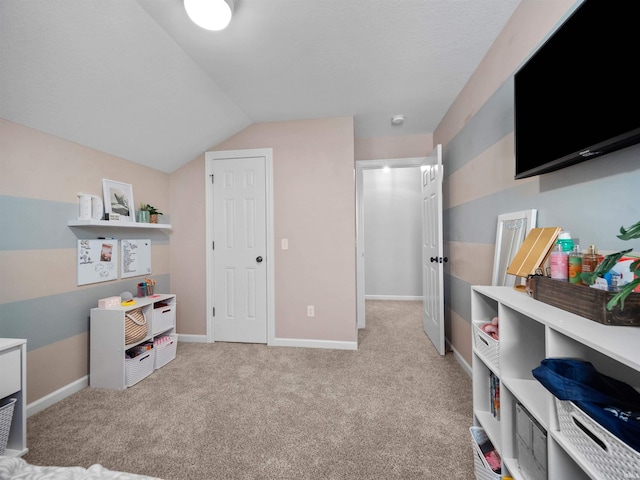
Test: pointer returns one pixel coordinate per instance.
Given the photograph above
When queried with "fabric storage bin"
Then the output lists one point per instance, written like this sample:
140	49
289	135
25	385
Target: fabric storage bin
487	347
482	469
531	442
6	416
139	367
165	348
611	457
164	318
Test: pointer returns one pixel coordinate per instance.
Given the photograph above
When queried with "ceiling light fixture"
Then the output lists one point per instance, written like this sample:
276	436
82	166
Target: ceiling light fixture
210	14
397	120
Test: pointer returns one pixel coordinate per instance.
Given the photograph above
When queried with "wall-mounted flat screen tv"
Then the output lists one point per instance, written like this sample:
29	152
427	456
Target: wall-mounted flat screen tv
578	96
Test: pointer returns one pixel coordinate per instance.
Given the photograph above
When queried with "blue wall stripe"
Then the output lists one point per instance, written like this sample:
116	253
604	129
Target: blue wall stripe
32	224
46	320
589	190
492	122
458	296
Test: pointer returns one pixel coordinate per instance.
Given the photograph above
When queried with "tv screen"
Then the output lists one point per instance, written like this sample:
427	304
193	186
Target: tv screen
578	95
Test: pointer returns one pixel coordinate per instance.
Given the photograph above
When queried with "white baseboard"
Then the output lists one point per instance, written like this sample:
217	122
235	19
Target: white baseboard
55	397
463	363
285	342
392	297
192	338
330	344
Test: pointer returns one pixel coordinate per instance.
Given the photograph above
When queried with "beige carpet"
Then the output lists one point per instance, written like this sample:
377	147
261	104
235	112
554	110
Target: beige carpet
393	409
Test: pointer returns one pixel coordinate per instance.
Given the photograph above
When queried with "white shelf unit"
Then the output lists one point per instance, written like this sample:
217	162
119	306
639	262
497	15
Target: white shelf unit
529	332
106	223
13	384
107	367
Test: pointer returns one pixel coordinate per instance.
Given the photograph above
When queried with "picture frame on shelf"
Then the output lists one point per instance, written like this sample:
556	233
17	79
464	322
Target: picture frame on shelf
118	199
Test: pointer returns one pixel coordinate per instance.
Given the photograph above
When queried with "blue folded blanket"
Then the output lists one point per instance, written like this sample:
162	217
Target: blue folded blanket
615	405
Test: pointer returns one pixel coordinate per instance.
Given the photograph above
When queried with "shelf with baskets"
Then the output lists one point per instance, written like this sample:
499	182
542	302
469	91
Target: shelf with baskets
536	435
127	343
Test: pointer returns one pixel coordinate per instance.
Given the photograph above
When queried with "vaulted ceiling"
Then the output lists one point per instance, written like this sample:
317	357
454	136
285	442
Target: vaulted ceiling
138	80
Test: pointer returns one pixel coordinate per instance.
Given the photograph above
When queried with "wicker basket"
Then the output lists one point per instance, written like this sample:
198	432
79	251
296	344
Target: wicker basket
165	348
6	415
139	367
605	452
487	347
135	326
482	469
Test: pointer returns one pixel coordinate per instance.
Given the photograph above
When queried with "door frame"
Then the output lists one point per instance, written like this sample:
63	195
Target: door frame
361	166
209	158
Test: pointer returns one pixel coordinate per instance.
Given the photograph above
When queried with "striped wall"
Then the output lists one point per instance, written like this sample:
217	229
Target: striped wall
591	200
40	176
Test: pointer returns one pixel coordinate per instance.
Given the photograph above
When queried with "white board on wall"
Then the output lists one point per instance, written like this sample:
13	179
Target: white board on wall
97	261
135	258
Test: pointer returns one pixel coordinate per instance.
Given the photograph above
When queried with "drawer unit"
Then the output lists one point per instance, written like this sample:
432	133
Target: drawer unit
10	372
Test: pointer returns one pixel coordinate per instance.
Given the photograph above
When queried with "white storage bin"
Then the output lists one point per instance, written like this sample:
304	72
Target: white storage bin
139	367
487	347
606	453
164	318
481	467
6	416
165	348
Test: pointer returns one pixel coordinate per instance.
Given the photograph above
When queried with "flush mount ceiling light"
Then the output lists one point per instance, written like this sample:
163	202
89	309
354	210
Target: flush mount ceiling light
210	14
397	120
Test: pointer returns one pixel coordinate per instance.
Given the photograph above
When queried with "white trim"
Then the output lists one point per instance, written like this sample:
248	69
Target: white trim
463	363
267	153
192	338
392	297
297	342
58	395
361	166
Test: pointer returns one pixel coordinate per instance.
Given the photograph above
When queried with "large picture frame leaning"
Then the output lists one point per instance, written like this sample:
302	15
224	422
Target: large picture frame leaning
513	228
118	198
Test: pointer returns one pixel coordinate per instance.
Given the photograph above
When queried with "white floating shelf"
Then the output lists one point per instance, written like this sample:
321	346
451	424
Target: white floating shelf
106	223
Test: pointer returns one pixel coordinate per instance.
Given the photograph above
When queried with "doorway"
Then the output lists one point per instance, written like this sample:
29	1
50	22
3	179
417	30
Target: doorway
363	166
240	252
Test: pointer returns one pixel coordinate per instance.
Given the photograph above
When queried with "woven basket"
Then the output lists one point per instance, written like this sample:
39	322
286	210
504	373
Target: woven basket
6	415
135	326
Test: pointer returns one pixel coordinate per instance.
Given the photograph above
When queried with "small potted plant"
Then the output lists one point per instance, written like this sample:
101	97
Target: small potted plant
153	212
610	261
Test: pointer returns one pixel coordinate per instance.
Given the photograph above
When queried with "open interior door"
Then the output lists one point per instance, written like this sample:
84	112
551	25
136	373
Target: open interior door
432	257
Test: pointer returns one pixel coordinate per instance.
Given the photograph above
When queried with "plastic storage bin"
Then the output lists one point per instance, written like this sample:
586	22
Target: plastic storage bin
139	367
165	348
606	453
164	318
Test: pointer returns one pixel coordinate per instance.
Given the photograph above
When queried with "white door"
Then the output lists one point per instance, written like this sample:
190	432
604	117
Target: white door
240	250
432	257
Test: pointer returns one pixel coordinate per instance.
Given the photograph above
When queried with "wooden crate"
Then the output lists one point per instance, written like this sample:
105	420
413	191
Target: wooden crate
585	301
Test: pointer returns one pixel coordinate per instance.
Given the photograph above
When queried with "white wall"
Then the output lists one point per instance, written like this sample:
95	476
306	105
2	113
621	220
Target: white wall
392	236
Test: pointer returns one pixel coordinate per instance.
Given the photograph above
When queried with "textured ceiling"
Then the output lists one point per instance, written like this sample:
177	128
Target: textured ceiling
138	80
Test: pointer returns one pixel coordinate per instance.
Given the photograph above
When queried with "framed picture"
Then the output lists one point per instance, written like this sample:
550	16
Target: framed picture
118	198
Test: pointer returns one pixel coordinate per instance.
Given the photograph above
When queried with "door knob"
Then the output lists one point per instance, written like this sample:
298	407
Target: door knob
434	259
259	259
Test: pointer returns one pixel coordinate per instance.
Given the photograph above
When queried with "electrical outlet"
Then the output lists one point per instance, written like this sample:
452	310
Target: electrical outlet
285	244
310	311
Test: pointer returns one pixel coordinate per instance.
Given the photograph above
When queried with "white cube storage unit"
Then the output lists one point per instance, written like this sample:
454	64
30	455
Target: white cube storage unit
109	367
535	431
13	385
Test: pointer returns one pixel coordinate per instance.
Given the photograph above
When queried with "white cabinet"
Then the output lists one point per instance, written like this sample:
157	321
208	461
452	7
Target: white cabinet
529	332
109	366
13	382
